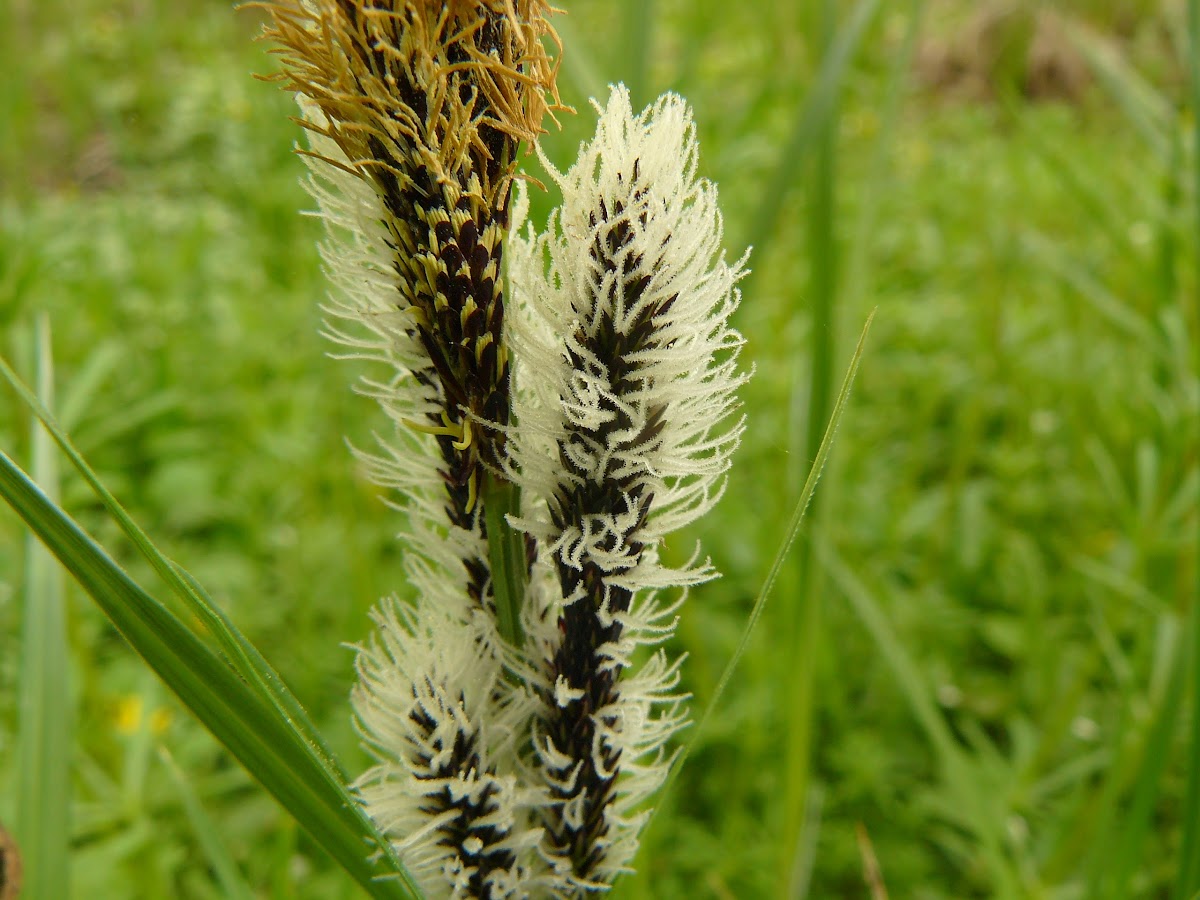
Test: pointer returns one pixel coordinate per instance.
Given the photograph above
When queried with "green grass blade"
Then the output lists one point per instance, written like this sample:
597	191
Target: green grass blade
881	176
43	798
1188	883
271	750
249	663
233	885
639	40
809	122
781	555
1146	109
803	631
243	655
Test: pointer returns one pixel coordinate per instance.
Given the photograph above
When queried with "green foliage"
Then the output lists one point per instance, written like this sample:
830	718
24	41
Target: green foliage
1004	668
43	813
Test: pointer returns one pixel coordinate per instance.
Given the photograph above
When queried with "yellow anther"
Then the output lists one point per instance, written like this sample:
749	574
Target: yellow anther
464	440
468	308
485	340
448	429
472	492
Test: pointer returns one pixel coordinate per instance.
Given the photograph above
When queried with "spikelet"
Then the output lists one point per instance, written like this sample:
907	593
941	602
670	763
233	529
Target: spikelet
627	379
427	703
423	103
414	112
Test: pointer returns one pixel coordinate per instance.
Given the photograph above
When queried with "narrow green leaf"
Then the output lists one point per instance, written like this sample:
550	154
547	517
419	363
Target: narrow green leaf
1187	886
237	714
639	39
246	659
1145	108
812	114
42	823
881	177
241	654
802	632
233	886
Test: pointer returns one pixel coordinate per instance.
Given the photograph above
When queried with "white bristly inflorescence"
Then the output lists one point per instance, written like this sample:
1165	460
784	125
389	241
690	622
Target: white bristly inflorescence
516	760
625	390
430	699
414	112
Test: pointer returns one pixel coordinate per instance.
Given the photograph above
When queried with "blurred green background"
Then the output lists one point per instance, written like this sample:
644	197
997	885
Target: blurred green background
973	679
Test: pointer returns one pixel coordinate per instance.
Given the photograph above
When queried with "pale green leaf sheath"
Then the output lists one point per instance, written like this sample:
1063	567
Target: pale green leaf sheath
626	380
415	111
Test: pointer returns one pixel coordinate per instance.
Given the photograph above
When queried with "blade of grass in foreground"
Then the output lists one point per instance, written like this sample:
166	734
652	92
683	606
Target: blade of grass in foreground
506	553
243	655
42	823
269	747
638	16
781	555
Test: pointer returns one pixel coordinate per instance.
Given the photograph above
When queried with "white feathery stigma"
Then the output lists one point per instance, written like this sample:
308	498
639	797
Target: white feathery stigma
426	703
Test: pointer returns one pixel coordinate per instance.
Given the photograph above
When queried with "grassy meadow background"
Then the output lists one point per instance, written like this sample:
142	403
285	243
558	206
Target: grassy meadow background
977	675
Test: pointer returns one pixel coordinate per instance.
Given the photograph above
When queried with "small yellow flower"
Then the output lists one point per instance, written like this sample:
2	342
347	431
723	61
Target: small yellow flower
127	718
160	721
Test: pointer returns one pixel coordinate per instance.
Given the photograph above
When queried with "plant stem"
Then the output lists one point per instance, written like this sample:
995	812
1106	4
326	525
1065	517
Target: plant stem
805	625
506	553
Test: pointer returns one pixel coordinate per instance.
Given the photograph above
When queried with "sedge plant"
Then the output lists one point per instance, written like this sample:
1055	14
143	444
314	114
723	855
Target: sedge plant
563	400
519	731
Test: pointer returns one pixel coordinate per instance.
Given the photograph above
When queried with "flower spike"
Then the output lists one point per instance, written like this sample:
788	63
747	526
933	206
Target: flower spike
626	389
424	103
414	111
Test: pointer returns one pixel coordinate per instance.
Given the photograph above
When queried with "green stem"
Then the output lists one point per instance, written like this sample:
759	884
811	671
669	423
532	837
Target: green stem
804	632
43	789
506	553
